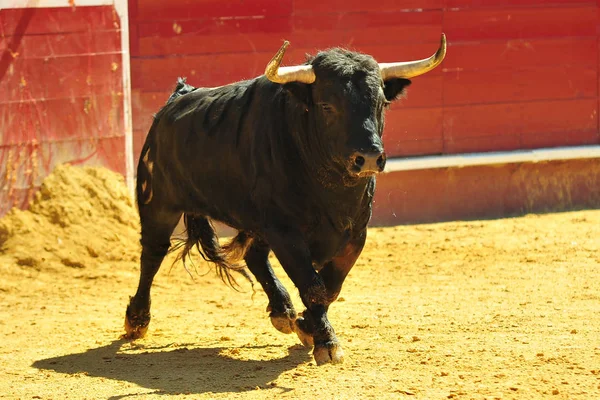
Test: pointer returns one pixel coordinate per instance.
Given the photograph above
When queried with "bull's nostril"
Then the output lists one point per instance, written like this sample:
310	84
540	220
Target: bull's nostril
359	161
381	162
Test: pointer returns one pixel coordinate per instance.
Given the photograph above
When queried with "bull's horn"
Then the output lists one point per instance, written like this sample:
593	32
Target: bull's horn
411	69
297	73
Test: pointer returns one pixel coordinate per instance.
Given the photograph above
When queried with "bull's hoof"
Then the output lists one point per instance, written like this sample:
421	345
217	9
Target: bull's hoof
330	352
283	322
300	328
136	326
282	317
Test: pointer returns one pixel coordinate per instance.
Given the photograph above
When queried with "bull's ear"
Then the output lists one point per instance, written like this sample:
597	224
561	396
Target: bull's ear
301	91
393	88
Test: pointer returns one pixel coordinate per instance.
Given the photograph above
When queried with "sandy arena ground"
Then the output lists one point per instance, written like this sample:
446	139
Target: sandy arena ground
502	309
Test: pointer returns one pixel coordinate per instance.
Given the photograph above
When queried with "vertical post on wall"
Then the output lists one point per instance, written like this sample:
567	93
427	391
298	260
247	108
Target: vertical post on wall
122	10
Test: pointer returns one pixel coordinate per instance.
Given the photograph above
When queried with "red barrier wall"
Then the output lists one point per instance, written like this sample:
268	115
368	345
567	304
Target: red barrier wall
519	74
61	95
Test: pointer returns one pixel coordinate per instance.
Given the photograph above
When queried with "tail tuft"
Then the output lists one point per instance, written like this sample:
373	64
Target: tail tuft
202	235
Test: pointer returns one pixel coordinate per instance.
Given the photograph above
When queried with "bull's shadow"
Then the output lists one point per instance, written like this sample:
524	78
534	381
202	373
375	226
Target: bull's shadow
179	370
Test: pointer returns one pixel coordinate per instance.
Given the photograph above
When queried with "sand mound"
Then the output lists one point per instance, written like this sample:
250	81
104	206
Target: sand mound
81	216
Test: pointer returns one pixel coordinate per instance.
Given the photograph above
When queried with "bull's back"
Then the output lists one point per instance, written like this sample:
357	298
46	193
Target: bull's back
202	142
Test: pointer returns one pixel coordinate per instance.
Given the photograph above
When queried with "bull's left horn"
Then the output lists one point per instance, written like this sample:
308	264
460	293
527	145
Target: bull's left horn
297	73
411	69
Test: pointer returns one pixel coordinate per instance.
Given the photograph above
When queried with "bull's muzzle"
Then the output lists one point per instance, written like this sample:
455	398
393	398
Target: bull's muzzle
367	163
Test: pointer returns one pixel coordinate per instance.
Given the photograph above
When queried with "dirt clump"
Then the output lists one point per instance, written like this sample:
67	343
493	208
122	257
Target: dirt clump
80	216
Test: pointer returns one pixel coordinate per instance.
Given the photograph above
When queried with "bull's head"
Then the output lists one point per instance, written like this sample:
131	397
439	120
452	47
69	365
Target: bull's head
345	94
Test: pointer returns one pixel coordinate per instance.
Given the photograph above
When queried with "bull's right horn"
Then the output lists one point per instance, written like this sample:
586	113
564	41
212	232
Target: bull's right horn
297	73
411	69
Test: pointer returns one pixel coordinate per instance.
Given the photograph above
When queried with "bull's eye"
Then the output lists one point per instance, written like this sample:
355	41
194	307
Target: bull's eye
327	108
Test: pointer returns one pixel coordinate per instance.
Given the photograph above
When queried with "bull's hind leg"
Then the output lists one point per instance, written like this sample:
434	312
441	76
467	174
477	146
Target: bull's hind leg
157	227
280	306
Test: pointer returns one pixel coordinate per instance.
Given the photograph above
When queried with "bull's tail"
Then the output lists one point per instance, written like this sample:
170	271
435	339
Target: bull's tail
202	235
181	88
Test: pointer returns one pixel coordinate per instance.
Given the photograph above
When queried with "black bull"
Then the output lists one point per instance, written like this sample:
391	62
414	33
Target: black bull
291	165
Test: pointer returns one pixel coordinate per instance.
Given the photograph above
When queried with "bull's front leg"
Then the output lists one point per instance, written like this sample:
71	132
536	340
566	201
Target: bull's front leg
314	328
333	275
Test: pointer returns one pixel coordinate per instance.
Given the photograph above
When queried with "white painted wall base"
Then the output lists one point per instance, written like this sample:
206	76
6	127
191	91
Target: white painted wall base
491	158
